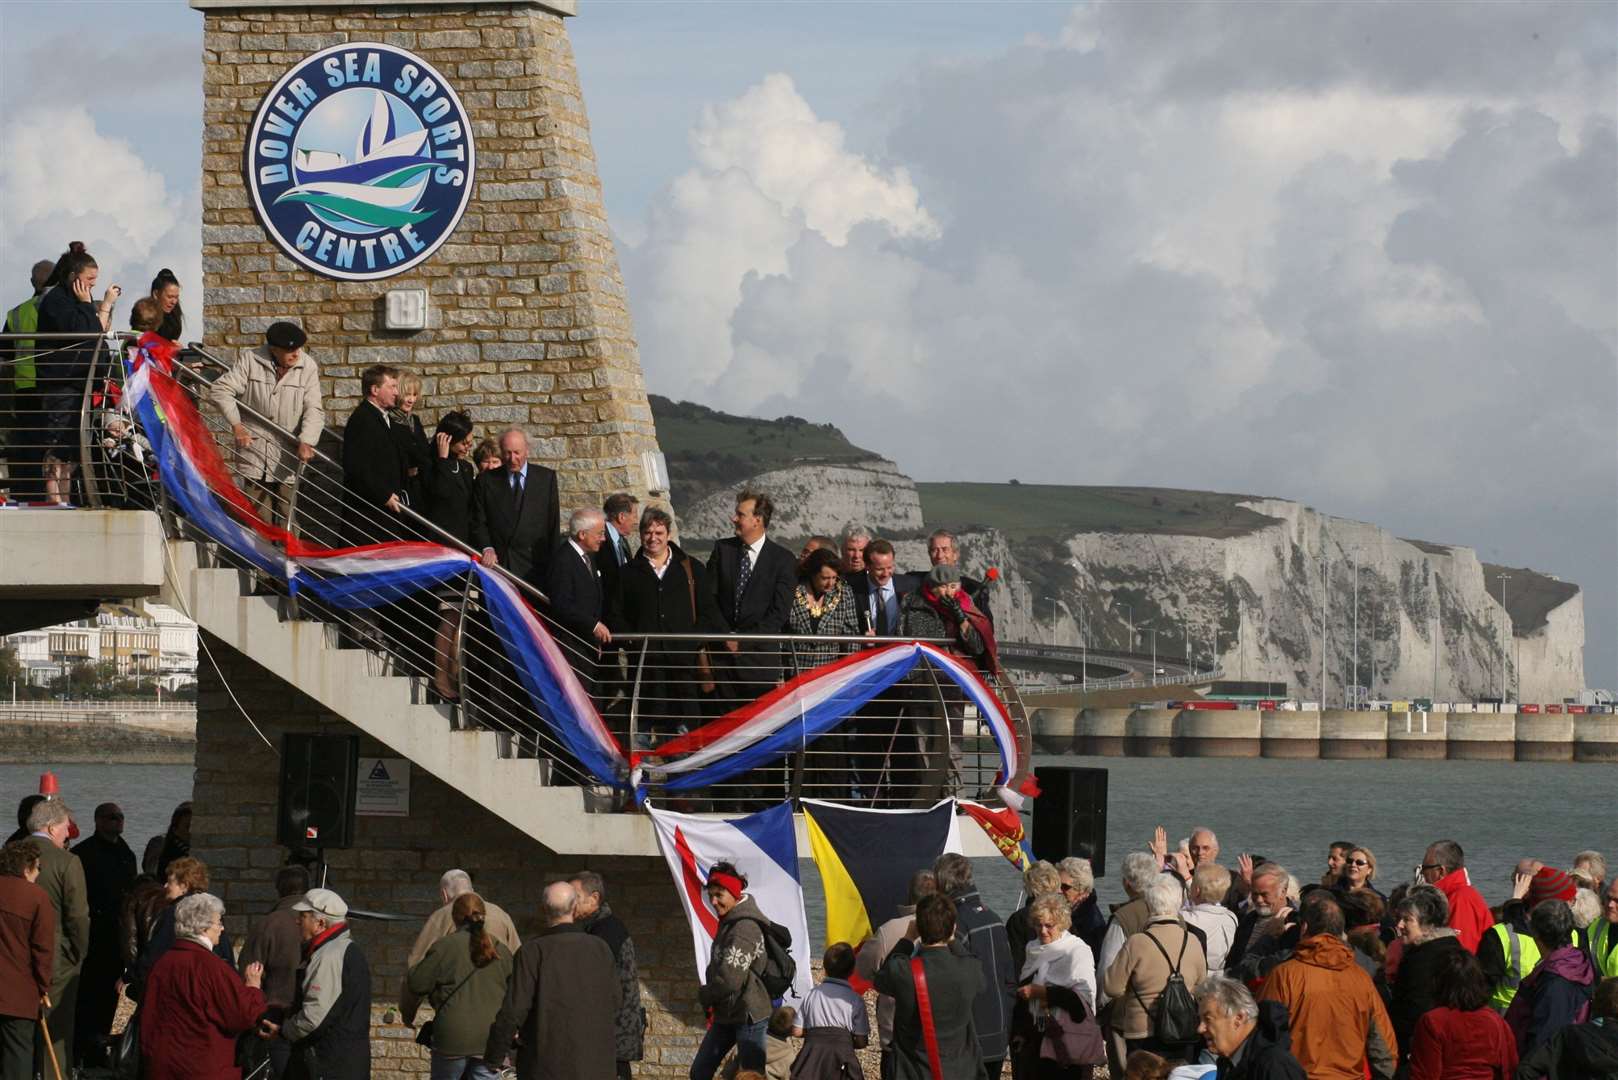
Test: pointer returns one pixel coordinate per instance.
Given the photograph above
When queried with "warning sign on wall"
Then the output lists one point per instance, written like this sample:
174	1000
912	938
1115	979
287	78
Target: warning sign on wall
384	788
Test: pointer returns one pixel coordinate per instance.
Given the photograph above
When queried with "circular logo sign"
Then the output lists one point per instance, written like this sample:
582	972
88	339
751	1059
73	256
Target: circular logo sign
360	161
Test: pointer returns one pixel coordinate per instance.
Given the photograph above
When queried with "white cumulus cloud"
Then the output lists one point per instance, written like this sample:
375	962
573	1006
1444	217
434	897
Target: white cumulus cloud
1358	255
62	179
767	174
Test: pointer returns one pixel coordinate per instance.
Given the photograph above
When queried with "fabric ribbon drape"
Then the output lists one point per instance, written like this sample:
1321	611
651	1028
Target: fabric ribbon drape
789	717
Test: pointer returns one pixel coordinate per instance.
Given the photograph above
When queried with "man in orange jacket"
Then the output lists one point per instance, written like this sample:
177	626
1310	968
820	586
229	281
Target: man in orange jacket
1444	866
1339	1025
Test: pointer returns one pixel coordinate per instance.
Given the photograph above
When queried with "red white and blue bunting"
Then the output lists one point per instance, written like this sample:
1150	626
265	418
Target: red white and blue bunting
779	723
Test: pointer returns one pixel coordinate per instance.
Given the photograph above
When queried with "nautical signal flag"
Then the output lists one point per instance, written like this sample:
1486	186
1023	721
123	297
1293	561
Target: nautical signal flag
764	847
866	858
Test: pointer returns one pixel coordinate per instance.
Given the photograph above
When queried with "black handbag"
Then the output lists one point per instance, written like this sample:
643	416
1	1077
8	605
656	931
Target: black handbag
126	1051
424	1034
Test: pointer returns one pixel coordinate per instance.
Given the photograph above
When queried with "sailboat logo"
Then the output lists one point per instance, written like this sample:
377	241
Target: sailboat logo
378	187
360	161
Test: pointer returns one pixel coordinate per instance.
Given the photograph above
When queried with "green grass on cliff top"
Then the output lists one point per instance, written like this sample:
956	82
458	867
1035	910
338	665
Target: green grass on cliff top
1028	510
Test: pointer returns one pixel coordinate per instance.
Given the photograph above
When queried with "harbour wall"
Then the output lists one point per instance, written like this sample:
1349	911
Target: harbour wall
1332	734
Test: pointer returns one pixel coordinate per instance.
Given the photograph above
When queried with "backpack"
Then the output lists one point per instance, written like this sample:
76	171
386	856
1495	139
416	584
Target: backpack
1175	1021
780	969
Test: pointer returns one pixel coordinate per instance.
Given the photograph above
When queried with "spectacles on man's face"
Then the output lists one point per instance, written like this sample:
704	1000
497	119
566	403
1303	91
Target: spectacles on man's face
1429	866
1068	887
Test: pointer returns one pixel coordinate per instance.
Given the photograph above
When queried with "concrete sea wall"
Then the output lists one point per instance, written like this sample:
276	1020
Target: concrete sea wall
1334	734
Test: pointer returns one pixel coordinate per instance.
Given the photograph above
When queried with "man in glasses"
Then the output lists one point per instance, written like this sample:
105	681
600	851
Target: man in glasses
1444	866
109	874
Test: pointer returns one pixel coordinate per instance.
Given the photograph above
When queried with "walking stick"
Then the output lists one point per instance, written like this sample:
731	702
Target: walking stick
45	1029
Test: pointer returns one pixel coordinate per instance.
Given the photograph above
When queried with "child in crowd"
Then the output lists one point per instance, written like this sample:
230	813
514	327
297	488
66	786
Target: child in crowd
832	1022
777	1050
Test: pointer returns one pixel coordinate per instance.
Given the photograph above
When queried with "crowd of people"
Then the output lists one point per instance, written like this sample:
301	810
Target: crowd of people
1207	970
80	926
42	382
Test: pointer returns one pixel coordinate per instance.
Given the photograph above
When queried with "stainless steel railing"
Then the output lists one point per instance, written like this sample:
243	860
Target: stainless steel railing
914	743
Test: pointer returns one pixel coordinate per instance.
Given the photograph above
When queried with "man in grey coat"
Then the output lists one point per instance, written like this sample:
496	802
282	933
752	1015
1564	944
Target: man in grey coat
61	875
563	999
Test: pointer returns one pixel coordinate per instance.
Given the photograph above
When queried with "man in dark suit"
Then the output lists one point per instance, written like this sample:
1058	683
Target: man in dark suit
942	550
578	603
521	511
878	589
62	877
109	873
623	524
373	469
753	579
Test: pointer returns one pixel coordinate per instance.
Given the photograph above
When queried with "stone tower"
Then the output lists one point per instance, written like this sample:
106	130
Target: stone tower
414	184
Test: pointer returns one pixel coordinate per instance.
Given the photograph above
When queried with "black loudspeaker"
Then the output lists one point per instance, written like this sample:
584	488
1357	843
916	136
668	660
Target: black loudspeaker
1070	815
319	777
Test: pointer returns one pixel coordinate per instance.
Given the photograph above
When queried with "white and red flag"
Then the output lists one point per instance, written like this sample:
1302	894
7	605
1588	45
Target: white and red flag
764	847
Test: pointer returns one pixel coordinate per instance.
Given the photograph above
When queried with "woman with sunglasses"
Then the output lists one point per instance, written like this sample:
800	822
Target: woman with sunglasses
1359	871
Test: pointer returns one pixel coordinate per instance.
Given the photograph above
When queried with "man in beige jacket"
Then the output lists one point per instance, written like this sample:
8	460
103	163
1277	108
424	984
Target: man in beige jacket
440	924
279	385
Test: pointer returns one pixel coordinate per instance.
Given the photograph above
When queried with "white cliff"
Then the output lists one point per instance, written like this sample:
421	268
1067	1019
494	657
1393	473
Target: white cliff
818	498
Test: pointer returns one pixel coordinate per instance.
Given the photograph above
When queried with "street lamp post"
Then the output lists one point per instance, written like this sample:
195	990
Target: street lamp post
1153	631
1504	620
1129	612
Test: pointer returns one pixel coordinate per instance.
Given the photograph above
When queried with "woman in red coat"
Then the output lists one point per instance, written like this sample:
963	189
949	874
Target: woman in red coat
1462	1039
195	1006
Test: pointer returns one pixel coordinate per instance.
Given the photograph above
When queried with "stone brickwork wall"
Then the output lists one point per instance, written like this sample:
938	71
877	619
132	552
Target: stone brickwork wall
529	323
395	864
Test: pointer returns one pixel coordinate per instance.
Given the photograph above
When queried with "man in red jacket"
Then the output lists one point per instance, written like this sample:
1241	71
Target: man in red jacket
1444	866
27	954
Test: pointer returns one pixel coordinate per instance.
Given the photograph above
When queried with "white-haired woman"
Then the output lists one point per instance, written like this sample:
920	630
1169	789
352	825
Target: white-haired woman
195	1006
1136	979
1058	982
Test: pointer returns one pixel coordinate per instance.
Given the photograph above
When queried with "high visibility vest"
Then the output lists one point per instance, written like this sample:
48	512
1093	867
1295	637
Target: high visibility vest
1522	956
1604	946
24	319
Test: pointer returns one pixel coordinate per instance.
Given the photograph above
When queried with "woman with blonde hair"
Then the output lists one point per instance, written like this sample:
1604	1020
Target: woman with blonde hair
1058	981
1359	870
412	439
464	977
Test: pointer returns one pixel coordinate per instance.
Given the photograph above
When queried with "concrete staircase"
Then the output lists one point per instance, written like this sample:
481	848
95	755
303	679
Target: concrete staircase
351	684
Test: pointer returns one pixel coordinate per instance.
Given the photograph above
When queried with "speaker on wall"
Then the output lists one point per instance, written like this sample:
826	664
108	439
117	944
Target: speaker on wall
319	778
1070	815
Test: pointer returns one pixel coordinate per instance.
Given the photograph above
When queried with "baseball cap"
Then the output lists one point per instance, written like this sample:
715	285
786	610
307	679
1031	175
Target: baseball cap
323	902
285	335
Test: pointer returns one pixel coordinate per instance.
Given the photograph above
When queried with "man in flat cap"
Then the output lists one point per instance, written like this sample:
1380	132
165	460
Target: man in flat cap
271	399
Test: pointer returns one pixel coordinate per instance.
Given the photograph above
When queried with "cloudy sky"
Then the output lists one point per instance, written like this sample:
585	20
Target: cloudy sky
1362	256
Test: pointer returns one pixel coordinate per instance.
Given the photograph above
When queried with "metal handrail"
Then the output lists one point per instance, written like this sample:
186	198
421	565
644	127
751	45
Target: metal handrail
904	743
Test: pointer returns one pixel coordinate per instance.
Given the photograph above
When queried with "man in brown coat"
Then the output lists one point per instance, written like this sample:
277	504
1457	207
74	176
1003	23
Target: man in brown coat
277	943
27	954
61	875
563	998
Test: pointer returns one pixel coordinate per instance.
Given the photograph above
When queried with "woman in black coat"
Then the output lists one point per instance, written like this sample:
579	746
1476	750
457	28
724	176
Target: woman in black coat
661	591
449	495
412	439
68	307
1421	917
